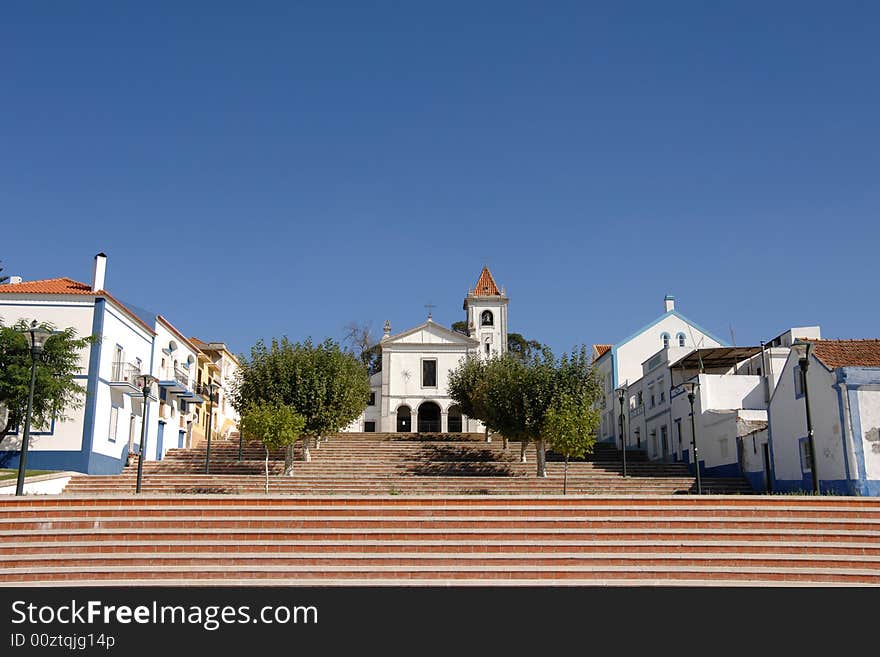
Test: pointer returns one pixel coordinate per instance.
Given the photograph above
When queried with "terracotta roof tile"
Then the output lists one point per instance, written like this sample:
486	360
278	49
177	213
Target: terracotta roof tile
486	286
64	285
847	353
601	349
47	286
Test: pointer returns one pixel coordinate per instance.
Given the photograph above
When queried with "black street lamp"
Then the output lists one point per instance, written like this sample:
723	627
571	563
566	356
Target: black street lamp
621	395
39	335
690	387
210	389
802	349
146	383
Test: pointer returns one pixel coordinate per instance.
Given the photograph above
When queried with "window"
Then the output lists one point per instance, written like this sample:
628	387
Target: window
798	382
651	396
372	401
662	395
681	339
370	426
429	373
678	431
114	423
486	319
806	461
488	349
665	339
640	400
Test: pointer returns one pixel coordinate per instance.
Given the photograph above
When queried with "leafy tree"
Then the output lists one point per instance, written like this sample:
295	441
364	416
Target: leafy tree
327	386
570	424
275	425
521	348
460	327
359	338
513	396
56	391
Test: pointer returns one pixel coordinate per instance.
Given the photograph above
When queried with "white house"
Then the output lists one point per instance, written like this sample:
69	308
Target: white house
622	362
843	386
98	436
410	392
733	387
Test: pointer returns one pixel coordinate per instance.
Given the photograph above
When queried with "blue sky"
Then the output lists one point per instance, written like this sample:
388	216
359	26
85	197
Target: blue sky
315	163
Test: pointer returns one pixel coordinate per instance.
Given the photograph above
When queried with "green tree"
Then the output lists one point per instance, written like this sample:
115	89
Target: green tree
460	327
570	425
326	385
521	348
514	396
275	425
56	391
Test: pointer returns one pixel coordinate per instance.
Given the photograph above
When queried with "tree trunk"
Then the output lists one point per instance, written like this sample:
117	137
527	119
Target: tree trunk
488	437
288	461
565	477
307	454
504	443
540	458
267	468
522	451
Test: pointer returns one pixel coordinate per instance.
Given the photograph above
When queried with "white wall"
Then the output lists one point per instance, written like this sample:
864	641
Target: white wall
869	419
788	424
61	312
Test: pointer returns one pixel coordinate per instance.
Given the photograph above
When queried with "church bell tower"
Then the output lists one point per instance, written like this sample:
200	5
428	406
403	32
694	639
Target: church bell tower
486	308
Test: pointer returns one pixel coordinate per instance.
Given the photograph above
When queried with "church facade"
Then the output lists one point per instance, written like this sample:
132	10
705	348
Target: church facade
410	393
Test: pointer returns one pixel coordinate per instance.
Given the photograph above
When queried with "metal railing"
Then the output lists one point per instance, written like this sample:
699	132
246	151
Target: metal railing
125	373
181	376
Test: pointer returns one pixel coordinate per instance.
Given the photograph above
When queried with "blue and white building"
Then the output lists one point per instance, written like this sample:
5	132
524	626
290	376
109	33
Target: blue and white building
843	385
622	363
97	437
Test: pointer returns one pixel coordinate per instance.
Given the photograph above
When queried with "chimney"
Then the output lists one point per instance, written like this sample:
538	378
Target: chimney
14	280
669	302
100	272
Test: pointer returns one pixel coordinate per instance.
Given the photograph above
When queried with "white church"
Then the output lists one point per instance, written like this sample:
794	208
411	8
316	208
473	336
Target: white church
409	394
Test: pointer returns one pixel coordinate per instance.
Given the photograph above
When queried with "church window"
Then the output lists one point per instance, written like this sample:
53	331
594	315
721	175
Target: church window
681	339
370	426
486	319
488	349
372	401
429	373
665	338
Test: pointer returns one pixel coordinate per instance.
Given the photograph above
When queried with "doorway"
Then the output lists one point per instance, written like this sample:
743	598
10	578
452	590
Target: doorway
429	418
404	419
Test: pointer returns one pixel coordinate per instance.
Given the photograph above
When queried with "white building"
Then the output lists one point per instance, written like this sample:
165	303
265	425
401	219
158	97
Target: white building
97	437
733	387
410	392
623	362
843	386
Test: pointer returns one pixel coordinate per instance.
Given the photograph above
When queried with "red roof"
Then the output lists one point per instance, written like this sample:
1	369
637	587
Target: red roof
847	353
47	286
64	285
486	286
601	349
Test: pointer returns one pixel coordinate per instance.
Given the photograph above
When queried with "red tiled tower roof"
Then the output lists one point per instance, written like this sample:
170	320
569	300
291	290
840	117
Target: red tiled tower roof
601	349
486	286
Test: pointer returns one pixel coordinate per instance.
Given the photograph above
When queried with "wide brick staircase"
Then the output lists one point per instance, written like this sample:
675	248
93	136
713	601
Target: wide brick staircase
404	464
75	540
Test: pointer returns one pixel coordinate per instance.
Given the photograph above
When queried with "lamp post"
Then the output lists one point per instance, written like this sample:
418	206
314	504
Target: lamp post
621	395
38	337
802	349
146	383
210	389
690	387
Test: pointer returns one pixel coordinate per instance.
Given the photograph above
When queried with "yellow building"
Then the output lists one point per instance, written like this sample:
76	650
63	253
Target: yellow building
217	365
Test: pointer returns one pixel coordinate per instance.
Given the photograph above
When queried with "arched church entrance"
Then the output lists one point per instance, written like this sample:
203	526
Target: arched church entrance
453	420
429	418
404	419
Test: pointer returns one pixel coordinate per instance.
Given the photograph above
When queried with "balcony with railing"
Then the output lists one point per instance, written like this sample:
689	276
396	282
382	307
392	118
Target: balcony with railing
125	375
